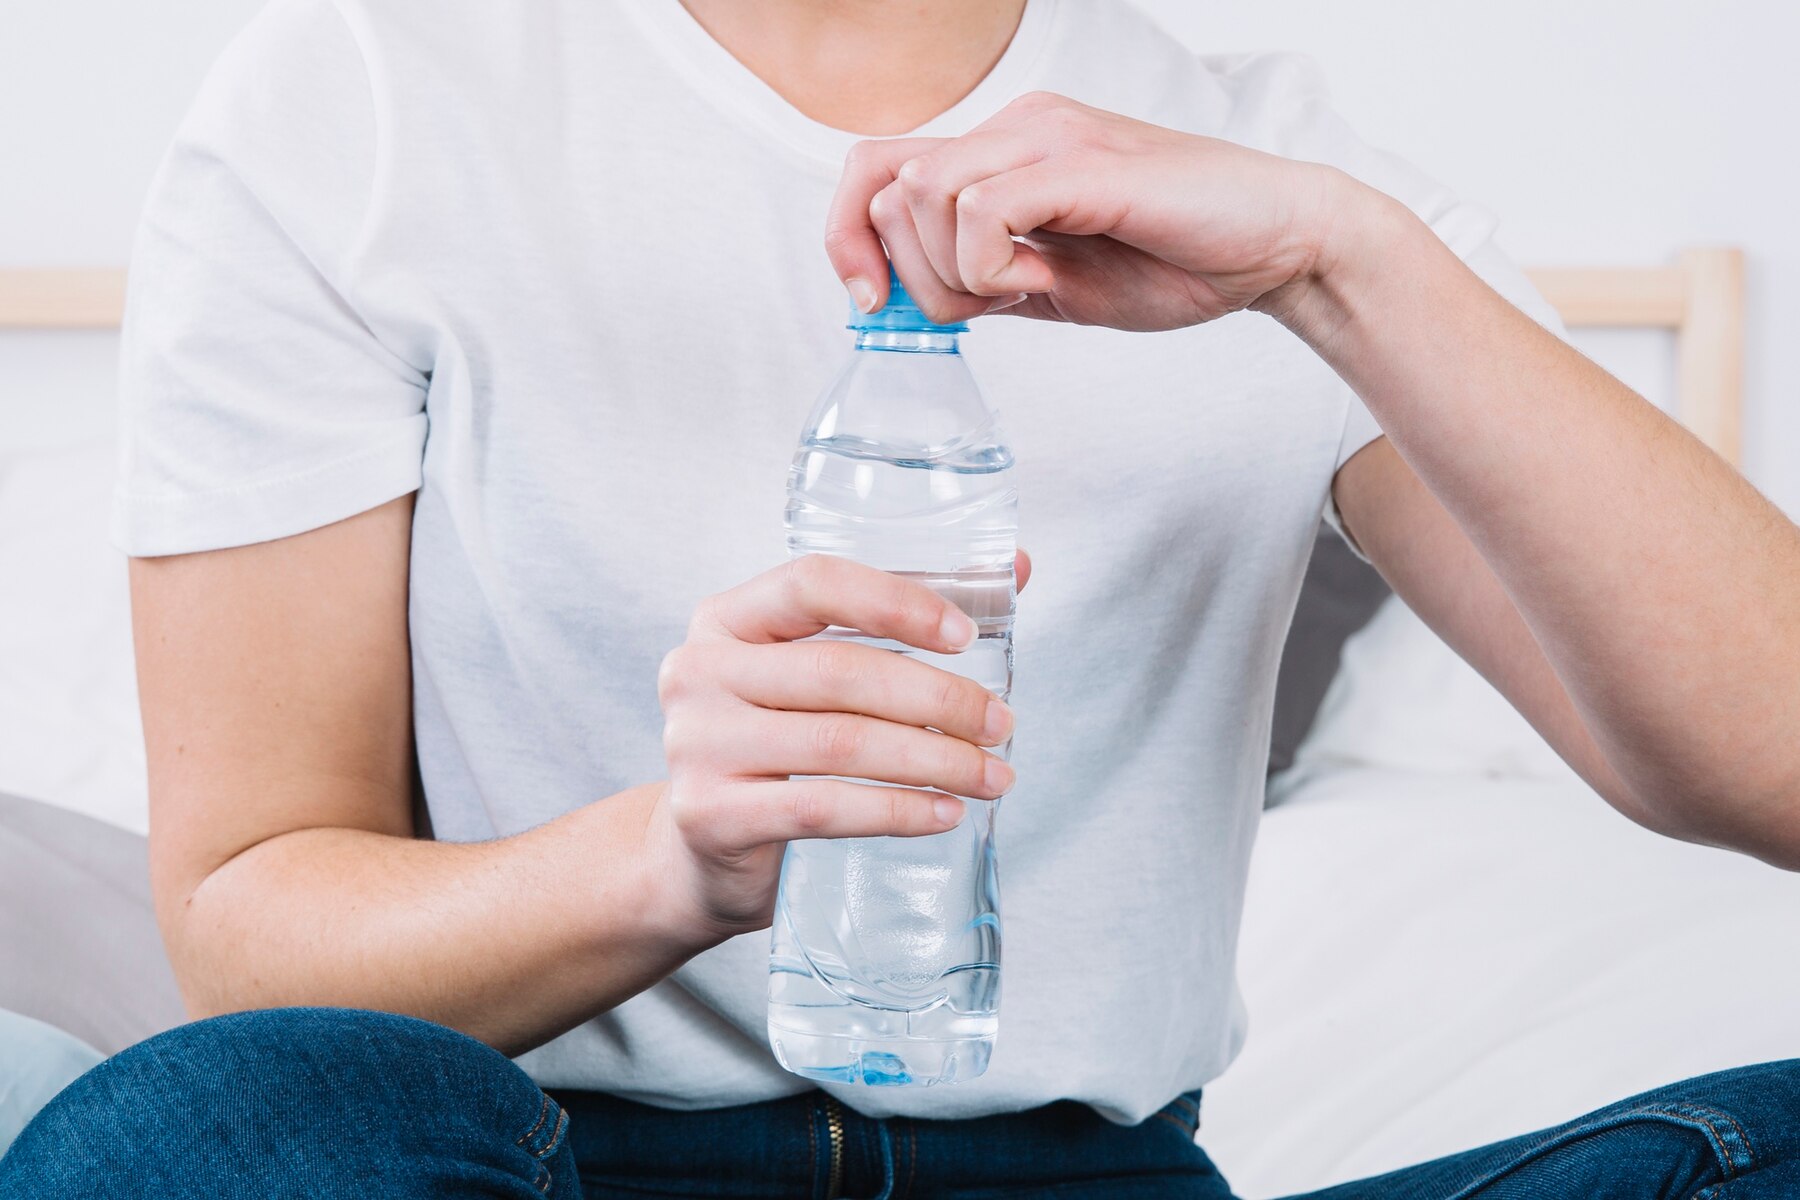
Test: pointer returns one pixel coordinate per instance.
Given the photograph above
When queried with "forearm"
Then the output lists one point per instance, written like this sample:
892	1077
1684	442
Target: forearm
511	941
1663	589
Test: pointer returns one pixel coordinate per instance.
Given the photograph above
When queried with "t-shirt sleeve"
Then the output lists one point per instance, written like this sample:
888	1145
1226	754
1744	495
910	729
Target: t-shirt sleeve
1283	105
256	401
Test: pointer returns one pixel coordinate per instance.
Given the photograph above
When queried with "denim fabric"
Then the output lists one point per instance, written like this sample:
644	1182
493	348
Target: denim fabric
1730	1136
329	1104
783	1149
318	1103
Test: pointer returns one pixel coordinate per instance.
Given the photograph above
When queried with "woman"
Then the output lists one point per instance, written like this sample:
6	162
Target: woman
468	344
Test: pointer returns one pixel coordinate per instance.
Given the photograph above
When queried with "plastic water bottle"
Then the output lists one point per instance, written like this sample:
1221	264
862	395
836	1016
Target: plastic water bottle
885	957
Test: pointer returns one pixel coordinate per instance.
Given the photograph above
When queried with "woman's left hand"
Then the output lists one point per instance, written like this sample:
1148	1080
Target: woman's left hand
1090	217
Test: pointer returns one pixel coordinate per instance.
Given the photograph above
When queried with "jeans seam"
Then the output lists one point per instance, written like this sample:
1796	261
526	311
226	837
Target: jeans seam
1723	1147
531	1143
556	1135
1185	1112
1186	1130
543	1113
1692	1119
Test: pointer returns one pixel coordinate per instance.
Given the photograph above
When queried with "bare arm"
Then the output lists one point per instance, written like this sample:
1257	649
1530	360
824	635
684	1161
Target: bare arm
277	710
275	685
1651	582
1430	562
1631	593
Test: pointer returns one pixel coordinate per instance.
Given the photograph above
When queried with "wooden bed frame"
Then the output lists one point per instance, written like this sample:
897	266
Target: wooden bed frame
1700	299
61	299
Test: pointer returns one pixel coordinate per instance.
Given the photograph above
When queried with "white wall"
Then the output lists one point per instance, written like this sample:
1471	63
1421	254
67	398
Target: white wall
1609	131
1602	131
90	92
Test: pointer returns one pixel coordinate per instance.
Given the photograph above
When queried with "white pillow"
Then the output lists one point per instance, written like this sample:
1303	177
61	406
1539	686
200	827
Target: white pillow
36	1062
1403	699
69	728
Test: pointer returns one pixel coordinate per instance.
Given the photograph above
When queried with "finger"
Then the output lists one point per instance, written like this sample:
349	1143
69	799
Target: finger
844	677
934	182
993	212
933	211
789	811
810	594
763	743
1035	306
851	241
1021	570
893	221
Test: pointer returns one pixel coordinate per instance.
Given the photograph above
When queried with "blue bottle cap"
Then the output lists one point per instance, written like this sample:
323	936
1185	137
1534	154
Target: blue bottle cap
900	314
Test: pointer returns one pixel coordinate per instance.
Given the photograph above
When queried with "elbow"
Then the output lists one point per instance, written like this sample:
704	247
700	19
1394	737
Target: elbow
202	949
213	979
1759	817
1778	848
1786	857
1772	831
194	958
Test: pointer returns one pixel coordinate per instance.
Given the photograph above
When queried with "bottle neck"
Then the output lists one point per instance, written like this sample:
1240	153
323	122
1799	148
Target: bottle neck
906	341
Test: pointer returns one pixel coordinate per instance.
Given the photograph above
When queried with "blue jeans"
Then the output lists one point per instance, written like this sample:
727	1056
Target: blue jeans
330	1103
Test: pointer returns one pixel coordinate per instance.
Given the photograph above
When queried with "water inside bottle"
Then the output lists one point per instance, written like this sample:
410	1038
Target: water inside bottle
885	964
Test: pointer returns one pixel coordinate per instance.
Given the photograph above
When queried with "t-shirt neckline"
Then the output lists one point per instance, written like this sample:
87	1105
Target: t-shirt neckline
729	85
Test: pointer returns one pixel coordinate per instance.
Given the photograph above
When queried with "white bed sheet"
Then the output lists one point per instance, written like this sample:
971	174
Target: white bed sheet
1436	961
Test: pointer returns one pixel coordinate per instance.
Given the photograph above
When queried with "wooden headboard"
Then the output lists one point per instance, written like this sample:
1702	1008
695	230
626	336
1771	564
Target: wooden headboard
1700	299
61	299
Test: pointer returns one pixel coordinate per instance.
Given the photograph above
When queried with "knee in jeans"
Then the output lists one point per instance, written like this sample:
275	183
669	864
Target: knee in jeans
281	1064
285	1096
346	1039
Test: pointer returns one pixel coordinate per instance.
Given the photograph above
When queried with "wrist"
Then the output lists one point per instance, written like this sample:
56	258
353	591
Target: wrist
1356	238
631	883
671	887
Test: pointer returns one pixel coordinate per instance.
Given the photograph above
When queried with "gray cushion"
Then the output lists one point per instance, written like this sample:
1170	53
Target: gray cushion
79	948
1338	597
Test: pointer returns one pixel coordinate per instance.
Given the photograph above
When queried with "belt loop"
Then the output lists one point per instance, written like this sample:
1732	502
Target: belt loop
887	1160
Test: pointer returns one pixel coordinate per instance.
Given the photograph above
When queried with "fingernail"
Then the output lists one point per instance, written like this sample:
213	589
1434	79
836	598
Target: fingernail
947	809
999	722
998	776
862	294
1007	302
957	630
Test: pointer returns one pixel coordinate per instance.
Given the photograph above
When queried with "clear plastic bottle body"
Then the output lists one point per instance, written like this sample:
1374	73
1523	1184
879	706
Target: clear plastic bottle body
885	956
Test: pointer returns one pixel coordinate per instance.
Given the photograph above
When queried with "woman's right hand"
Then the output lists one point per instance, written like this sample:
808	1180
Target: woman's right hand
748	704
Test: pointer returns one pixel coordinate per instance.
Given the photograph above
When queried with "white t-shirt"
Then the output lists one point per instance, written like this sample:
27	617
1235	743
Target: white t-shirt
557	266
